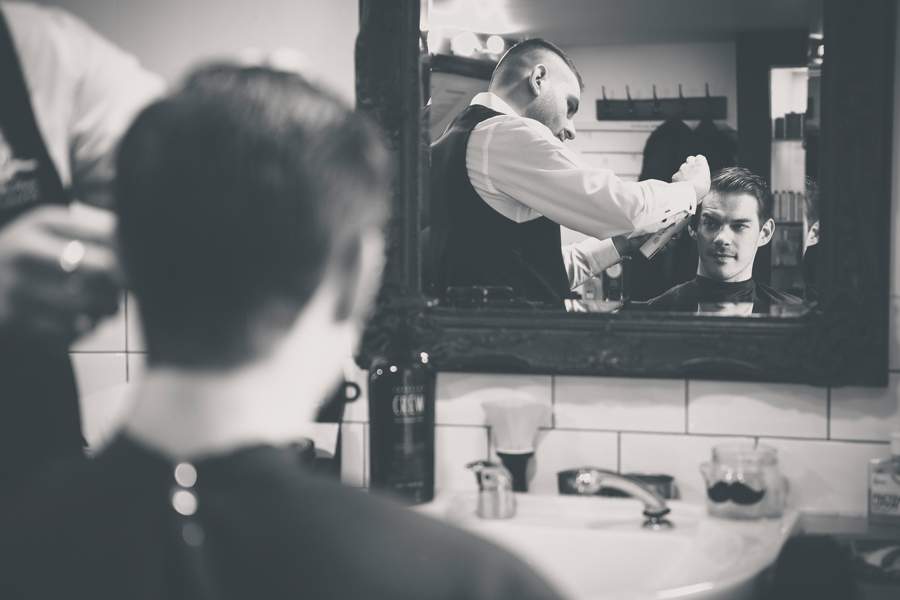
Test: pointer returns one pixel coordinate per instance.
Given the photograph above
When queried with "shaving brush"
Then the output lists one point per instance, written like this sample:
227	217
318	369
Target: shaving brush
514	423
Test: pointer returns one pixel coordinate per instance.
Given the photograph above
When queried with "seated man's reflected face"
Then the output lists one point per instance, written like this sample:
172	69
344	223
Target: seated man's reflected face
728	236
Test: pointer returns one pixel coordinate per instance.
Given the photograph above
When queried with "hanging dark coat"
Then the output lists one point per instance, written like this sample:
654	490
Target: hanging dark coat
718	147
665	151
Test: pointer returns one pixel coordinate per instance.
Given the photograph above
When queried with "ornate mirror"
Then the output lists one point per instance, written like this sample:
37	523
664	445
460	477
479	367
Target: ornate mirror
413	81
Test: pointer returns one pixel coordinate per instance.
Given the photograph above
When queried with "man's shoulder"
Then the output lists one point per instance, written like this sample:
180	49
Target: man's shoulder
679	298
776	296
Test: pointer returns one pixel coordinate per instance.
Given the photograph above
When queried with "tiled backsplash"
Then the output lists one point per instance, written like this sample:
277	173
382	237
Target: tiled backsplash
824	437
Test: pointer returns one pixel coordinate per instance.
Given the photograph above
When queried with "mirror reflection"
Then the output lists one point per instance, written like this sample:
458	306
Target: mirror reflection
617	157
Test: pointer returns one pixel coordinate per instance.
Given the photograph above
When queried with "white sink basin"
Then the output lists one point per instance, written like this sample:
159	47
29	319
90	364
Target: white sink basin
594	548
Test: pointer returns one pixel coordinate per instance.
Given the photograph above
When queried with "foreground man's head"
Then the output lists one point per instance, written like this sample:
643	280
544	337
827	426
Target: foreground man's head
247	199
735	220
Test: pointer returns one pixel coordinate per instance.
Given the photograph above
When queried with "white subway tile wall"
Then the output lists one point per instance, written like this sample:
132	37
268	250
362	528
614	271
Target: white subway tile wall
826	476
612	404
354	466
456	446
724	407
866	413
107	336
103	393
460	395
135	335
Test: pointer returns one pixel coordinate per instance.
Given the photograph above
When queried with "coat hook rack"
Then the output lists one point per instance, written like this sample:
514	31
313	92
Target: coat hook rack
607	109
690	108
657	106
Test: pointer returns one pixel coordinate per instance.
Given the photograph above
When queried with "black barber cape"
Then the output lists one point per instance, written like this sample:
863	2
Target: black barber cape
39	417
474	245
688	296
263	528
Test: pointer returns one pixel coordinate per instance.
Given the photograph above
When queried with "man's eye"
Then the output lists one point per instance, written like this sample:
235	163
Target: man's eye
739	227
708	223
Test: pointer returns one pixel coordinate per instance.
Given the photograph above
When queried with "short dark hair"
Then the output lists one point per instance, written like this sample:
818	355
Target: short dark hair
526	53
233	194
738	180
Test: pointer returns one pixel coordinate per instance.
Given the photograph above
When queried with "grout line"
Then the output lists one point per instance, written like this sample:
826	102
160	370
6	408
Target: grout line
828	415
126	320
619	453
127	358
833	441
687	395
727	435
553	401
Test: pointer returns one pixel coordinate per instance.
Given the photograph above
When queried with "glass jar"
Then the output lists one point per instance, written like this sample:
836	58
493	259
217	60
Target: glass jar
743	482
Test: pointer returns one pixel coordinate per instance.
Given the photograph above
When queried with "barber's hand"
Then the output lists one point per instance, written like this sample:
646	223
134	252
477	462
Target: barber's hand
626	246
695	171
631	246
58	272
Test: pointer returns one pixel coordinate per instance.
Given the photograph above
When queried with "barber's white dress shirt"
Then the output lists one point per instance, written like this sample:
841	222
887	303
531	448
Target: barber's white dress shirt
523	171
85	92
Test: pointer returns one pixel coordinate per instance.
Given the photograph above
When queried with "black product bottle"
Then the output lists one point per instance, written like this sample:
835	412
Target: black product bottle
401	428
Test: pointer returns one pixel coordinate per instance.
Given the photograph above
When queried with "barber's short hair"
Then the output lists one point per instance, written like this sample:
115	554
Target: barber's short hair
526	54
733	181
233	194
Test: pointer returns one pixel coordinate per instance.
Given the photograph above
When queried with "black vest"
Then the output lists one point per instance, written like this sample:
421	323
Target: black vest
474	245
39	418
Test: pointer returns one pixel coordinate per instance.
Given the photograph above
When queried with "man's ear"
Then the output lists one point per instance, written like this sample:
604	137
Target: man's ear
692	231
537	79
356	275
765	233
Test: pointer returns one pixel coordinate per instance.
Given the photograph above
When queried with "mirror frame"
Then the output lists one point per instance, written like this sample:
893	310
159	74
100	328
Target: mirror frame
844	341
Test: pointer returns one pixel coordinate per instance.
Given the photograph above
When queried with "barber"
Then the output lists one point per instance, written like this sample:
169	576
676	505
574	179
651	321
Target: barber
67	95
502	183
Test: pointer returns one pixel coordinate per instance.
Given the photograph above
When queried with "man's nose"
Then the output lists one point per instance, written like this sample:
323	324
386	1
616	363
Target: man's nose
569	130
722	237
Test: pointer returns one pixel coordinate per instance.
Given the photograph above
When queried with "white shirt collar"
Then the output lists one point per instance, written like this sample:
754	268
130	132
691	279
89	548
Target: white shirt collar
494	102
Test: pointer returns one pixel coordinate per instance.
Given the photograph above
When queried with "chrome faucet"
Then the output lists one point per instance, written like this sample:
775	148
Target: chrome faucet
495	490
589	480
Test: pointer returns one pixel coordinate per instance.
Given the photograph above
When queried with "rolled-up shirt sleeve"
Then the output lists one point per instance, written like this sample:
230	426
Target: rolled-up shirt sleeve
588	258
524	172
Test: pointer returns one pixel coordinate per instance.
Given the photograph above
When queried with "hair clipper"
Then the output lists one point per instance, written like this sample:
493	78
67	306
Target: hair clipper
664	235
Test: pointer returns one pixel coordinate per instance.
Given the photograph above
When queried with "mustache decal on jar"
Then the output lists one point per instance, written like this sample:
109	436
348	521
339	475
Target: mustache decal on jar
737	492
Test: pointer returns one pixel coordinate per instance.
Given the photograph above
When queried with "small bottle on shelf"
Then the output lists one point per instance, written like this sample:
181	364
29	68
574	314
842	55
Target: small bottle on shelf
884	486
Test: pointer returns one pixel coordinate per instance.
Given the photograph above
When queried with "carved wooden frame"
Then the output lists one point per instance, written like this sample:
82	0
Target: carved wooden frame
843	342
